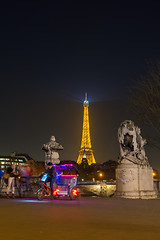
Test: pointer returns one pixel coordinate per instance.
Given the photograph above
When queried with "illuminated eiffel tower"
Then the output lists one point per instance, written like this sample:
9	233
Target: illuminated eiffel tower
86	151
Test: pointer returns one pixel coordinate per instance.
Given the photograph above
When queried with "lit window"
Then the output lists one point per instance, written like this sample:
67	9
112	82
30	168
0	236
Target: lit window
2	167
2	162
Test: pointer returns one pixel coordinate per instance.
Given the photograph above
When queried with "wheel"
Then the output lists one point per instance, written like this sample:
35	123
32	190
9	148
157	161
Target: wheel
40	194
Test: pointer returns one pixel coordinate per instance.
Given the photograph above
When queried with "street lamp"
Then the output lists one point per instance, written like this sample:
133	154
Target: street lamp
153	174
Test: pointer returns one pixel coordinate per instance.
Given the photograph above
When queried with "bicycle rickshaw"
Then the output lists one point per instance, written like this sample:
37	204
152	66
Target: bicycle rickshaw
66	183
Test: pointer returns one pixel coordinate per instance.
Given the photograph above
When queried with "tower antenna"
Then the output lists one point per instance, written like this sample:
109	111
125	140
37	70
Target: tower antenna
86	96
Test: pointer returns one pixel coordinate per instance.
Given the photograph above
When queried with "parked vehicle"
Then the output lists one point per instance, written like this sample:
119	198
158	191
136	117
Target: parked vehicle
66	183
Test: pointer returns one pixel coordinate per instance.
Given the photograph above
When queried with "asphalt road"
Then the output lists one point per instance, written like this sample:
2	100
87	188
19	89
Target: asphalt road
87	218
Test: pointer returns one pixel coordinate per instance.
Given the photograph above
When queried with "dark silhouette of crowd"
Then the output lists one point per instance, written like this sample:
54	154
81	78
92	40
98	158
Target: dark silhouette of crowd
16	177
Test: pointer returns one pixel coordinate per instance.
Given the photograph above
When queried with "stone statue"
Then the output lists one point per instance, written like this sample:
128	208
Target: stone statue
51	151
134	174
131	143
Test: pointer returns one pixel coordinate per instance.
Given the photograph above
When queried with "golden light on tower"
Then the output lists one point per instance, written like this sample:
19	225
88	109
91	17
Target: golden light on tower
86	148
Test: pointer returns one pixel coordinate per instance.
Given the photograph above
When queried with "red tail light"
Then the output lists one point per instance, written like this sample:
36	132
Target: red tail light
75	192
55	192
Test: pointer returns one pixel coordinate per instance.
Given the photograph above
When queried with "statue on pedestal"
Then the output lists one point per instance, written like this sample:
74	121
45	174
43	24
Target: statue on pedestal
51	151
134	174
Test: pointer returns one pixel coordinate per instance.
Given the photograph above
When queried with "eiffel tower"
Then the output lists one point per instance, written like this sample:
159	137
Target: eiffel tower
86	151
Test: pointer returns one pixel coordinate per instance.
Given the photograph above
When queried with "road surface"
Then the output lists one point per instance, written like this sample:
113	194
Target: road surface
87	218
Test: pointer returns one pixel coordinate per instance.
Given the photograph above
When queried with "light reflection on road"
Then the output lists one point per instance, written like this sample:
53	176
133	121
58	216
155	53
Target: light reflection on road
46	201
31	201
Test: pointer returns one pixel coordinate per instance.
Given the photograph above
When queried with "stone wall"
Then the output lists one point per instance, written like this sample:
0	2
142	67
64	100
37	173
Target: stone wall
105	189
97	189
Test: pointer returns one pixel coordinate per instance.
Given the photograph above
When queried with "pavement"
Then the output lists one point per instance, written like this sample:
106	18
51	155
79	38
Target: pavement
85	218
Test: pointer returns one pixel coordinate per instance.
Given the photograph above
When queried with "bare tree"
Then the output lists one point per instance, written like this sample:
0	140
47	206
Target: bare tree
145	101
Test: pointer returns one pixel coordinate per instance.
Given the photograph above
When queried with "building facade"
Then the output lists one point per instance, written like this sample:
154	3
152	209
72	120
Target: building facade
19	159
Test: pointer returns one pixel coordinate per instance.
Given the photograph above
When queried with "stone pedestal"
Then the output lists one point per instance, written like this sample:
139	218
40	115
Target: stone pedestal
134	181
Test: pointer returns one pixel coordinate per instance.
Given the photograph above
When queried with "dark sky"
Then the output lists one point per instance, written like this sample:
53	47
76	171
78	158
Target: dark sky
51	54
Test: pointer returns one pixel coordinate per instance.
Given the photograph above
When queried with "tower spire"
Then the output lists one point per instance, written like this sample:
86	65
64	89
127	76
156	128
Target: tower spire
86	96
86	148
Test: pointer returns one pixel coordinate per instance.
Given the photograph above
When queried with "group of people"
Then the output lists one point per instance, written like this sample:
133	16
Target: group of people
19	176
16	175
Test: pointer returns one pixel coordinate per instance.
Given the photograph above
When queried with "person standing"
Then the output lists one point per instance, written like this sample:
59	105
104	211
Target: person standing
11	180
1	175
24	172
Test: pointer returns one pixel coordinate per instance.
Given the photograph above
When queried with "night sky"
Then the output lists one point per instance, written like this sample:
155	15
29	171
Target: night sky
51	54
